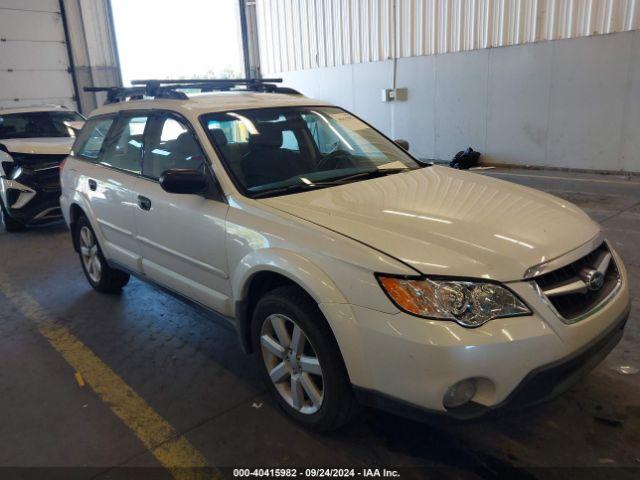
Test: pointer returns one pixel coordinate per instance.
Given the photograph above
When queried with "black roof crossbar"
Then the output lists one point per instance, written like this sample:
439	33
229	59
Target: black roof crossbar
213	81
121	94
172	88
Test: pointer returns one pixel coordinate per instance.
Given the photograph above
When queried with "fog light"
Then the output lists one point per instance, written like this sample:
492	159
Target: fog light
460	393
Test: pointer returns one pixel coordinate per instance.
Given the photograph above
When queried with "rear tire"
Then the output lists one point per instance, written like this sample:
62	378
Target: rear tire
299	360
10	225
99	274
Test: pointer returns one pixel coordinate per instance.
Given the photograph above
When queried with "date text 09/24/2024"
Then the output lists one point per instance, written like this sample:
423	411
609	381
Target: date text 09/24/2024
316	473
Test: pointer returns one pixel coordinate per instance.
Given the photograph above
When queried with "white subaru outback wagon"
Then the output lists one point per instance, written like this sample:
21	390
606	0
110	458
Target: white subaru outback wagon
354	272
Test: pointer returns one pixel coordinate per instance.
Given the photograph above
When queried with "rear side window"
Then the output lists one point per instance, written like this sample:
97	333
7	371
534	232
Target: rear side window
289	141
89	142
123	150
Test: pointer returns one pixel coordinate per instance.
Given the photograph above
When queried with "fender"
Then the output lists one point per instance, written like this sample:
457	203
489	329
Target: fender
316	283
81	201
288	264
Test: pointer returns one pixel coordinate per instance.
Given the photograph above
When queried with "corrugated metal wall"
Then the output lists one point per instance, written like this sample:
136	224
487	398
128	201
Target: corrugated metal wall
302	34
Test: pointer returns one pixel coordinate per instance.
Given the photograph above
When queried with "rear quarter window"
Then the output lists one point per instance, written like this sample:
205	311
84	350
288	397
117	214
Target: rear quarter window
88	144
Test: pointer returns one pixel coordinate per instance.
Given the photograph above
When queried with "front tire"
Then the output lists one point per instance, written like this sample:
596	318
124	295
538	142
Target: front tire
300	361
100	275
10	225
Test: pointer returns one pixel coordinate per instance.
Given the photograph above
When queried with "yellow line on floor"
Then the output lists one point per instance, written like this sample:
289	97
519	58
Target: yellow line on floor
79	379
549	177
174	452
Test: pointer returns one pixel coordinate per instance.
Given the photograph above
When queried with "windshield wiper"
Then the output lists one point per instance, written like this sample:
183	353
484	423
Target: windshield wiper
303	187
379	172
295	188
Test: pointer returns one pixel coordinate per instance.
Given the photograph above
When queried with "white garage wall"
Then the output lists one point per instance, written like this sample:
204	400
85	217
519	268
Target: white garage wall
569	103
34	61
35	67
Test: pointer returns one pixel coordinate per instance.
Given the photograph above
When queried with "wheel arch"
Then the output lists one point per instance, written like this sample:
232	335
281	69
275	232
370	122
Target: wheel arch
264	270
75	212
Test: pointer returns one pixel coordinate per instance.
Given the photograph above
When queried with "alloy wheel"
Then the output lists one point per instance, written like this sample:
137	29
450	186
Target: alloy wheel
292	363
89	254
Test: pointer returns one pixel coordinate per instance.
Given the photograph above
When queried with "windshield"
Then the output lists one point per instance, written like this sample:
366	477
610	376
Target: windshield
37	124
275	151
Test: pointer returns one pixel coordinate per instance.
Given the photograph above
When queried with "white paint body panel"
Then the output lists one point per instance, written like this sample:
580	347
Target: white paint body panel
449	222
182	244
332	241
110	208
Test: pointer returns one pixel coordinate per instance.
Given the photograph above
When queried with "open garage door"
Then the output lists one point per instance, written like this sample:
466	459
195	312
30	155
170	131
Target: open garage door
205	39
34	60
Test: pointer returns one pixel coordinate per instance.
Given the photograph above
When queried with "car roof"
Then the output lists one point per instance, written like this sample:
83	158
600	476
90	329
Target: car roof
199	104
35	108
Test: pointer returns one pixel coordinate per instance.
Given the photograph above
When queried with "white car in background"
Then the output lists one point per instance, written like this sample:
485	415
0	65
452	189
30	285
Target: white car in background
33	142
352	270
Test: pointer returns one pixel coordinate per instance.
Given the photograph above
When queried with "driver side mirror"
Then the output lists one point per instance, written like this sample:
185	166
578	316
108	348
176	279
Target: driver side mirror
183	181
404	144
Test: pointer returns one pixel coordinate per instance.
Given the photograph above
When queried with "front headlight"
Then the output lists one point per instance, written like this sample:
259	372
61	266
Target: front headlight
471	304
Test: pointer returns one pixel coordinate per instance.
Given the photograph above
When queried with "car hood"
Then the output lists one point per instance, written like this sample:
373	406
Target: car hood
43	146
442	221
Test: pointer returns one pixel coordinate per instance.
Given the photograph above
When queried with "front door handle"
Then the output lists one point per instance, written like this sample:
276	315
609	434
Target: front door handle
144	203
93	185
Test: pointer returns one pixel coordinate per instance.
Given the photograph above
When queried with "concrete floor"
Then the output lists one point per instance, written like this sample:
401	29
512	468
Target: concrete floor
191	372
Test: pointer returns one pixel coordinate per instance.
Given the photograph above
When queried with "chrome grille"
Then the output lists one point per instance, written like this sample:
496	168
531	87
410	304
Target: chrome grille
577	288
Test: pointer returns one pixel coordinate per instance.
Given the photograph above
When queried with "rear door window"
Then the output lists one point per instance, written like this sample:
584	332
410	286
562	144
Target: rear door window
289	141
123	149
91	138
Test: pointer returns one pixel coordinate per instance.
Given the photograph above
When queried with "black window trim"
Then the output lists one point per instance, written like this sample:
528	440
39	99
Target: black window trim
244	191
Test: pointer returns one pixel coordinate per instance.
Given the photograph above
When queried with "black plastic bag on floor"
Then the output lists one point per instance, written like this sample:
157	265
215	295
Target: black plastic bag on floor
465	159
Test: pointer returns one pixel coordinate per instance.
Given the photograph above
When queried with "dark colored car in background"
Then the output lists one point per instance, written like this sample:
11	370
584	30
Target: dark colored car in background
33	143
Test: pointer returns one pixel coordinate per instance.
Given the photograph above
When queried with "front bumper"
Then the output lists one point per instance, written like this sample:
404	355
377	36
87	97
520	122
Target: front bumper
541	384
551	380
403	363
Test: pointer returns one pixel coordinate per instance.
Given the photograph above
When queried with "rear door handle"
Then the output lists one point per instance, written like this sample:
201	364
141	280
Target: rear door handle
93	185
144	203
